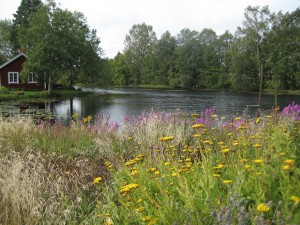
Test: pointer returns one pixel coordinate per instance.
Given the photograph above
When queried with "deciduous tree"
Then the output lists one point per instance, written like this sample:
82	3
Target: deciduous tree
59	43
138	44
256	26
5	43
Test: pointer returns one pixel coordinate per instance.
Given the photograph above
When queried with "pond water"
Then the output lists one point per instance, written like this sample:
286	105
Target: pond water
120	103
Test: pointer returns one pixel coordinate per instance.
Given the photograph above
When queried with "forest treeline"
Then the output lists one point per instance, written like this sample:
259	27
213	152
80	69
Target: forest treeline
264	52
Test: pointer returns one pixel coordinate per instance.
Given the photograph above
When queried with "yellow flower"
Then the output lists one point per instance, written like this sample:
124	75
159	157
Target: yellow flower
130	162
290	162
140	209
214	116
166	138
258	161
198	125
153	169
227	181
258	120
219	166
167	163
223	118
282	153
152	222
195	115
216	175
287	167
89	118
174	174
257	145
97	180
263	208
156	172
134	172
110	167
237	118
235	143
220	143
295	199
225	150
146	218
128	188
248	167
197	135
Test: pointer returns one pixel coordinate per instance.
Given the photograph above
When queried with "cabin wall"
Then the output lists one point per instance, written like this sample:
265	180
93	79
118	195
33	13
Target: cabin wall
16	66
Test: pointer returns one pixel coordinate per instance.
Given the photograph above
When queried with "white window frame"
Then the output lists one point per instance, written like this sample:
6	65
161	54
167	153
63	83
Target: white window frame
31	78
13	80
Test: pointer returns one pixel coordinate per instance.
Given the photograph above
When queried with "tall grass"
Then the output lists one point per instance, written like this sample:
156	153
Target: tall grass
160	168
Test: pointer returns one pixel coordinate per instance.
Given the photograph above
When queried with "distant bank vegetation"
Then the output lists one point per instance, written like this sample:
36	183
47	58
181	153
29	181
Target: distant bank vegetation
263	53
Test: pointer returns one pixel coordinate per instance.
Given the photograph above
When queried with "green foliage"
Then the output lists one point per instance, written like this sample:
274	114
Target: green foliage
21	20
138	46
262	53
59	43
284	52
5	46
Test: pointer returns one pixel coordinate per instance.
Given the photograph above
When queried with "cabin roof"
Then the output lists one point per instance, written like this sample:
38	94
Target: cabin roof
13	59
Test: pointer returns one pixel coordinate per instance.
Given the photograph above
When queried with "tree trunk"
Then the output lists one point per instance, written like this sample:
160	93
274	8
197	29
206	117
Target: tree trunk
50	86
261	73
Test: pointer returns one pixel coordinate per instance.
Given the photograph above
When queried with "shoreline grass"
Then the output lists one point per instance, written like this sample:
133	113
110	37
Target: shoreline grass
19	95
160	168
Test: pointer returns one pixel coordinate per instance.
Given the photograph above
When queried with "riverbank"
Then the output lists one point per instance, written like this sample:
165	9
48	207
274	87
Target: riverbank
8	95
11	95
161	168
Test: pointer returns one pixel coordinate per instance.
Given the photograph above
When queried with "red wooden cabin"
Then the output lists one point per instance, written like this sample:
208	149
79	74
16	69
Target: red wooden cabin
10	75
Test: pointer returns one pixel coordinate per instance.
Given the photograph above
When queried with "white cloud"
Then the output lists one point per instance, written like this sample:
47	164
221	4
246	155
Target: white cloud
114	18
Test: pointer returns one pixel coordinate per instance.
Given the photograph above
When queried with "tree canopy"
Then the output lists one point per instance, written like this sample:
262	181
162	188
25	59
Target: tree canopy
263	53
5	43
59	43
21	20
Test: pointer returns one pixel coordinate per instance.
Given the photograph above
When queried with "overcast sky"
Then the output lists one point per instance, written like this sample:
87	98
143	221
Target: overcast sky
114	18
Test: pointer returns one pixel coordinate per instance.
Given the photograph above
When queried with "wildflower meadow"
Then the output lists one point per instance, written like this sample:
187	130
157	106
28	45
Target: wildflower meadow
159	168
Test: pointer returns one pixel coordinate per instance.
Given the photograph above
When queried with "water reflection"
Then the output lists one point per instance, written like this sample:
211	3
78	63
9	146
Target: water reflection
120	103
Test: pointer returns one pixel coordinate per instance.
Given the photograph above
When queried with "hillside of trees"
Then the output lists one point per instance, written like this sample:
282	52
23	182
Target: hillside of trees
264	52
